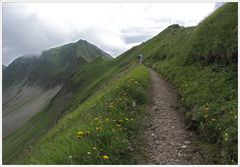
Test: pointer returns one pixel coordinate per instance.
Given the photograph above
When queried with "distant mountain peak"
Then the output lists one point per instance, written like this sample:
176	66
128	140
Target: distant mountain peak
82	40
54	65
89	51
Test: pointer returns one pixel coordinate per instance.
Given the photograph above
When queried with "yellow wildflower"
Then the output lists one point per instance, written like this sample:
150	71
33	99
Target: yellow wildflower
105	157
98	128
88	153
81	133
94	148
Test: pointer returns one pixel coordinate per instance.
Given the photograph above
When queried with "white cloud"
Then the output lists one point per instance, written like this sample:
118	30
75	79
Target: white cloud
114	27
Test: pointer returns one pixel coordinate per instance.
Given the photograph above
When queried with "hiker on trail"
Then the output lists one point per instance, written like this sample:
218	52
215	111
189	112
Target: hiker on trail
154	67
140	58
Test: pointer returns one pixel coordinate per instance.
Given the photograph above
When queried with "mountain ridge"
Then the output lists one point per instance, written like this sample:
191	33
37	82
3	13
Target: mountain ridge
31	83
55	63
98	113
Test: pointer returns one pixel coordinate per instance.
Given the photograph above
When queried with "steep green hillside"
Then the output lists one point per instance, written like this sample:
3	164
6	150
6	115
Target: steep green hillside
215	39
102	130
202	63
80	87
40	76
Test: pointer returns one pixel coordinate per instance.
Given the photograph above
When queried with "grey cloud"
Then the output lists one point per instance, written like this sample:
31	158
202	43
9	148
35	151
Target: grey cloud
136	38
100	38
24	33
163	20
139	34
115	52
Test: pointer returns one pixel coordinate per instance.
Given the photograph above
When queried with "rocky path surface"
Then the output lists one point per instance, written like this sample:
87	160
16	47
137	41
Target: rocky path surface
167	139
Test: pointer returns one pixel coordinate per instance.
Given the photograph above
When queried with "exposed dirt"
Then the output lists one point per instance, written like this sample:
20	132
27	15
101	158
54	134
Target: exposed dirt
167	139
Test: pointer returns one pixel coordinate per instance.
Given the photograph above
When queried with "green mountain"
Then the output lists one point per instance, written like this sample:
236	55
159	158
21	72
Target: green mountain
30	83
53	67
92	120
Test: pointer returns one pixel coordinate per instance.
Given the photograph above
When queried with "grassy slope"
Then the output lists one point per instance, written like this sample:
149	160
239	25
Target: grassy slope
47	71
215	39
96	76
205	76
22	137
111	120
99	73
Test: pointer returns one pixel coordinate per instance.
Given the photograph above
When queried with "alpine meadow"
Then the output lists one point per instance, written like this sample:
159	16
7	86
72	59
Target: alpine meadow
177	104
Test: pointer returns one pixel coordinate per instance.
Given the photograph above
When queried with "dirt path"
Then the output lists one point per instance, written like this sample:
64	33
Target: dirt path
166	138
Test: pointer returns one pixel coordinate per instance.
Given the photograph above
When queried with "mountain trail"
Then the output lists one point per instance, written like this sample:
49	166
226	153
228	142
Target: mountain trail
166	139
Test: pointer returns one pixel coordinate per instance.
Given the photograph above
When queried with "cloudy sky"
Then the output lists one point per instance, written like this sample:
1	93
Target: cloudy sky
29	28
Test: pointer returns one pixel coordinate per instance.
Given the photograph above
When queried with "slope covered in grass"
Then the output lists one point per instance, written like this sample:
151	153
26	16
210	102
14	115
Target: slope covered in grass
202	63
82	85
215	39
99	131
55	68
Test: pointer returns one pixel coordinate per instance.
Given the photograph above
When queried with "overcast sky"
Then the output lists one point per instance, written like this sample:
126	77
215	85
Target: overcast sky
30	28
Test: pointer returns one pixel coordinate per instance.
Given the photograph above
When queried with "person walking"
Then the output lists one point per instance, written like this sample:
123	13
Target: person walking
140	58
